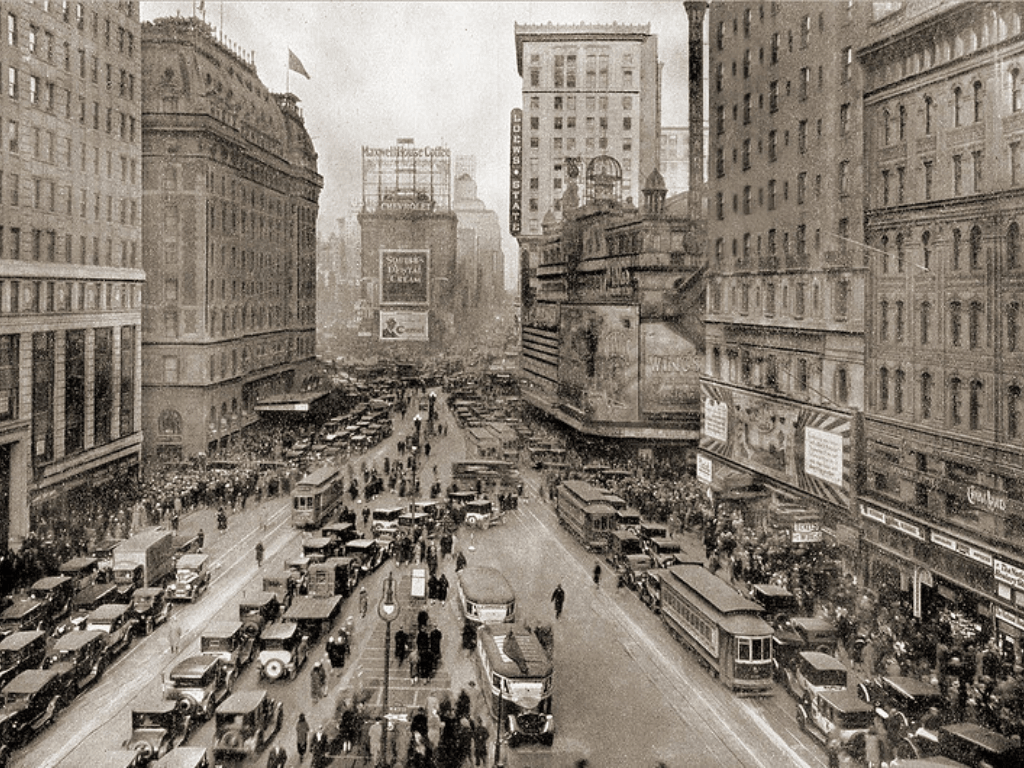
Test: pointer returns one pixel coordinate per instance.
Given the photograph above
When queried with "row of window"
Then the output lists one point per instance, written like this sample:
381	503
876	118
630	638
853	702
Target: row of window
804	26
590	123
56	99
569	103
740	298
48	147
49	296
796	376
892	324
964	253
102	29
564	71
47	196
48	245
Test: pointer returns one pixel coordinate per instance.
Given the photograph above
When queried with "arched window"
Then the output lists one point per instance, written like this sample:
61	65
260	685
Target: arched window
958	98
975	404
1013	246
926	395
886	127
897	391
926	249
1013	411
977	101
955	323
900	254
883	389
926	322
899	321
1012	326
955	402
170	423
885	254
883	321
1016	101
903	122
975	246
957	241
974	325
928	105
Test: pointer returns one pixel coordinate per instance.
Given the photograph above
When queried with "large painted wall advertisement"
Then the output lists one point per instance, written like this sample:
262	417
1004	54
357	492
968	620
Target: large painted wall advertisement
805	447
403	276
403	326
669	371
599	353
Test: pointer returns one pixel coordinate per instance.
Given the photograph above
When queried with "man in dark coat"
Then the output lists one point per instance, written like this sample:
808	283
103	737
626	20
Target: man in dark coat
558	598
401	645
301	735
277	757
435	650
442	588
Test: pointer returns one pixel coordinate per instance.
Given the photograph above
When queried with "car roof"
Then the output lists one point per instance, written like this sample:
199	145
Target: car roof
182	757
72	641
18	640
77	564
846	700
148	592
279	630
241	702
21	607
156	706
258	599
30	681
192	561
222	628
50	582
108	611
911	686
820	660
195	665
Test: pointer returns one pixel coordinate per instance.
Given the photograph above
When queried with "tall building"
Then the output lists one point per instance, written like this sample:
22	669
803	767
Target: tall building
943	498
70	262
783	376
674	158
231	194
480	261
588	90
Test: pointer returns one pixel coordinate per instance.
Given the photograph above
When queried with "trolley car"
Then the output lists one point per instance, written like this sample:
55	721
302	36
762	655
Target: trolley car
724	629
316	496
586	511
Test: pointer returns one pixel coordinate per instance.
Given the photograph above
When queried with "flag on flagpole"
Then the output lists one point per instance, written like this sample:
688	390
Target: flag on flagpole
295	65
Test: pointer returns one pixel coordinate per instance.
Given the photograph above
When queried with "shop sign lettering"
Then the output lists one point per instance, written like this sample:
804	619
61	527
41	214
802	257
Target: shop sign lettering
1008	574
716	420
986	499
960	548
806	533
705	469
1010	618
872	514
907	528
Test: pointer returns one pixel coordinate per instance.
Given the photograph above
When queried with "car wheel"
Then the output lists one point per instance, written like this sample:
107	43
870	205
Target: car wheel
273	669
145	750
801	720
149	625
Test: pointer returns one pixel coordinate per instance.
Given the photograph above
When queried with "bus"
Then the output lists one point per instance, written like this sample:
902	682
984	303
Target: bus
516	663
588	512
317	496
724	629
485	596
486	476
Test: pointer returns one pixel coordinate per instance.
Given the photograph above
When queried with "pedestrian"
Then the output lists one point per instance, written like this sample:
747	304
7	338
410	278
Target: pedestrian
259	554
442	588
301	736
558	598
200	538
414	665
460	561
480	736
364	601
277	757
174	635
597	575
435	650
317	682
341	647
468	635
401	645
318	748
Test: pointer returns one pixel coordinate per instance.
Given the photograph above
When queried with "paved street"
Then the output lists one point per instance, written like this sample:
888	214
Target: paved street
625	693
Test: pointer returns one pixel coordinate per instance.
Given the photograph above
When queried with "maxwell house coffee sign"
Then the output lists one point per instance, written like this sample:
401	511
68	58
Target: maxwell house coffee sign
403	277
515	190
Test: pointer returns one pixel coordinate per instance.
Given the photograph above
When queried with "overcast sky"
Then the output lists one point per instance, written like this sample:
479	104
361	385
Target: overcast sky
440	73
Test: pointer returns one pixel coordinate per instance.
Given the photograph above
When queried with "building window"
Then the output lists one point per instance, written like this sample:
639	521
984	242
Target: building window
901	178
883	320
926	249
974	406
1012	326
847	64
928	106
805	82
901	256
1012	411
975	247
958	106
885	187
898	383
958	174
957	237
974	325
955	320
771	194
926	395
977	101
841	298
801	136
842	386
926	320
844	177
899	321
977	161
883	389
928	167
955	401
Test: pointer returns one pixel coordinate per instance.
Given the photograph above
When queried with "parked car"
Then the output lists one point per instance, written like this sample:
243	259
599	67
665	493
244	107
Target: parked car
83	571
21	651
31	701
185	757
633	568
22	615
191	578
85	602
840	713
282	651
157	727
199	684
150	608
117	620
649	589
55	592
812	671
246	723
79	658
904	702
230	641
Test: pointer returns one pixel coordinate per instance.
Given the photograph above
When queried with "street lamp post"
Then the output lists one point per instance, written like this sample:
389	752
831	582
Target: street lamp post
387	609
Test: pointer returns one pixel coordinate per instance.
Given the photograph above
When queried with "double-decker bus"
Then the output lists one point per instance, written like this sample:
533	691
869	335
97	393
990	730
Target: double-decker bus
588	511
517	674
317	496
724	629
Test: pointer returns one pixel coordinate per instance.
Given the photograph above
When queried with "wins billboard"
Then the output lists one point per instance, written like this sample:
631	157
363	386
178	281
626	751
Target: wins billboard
806	447
404	277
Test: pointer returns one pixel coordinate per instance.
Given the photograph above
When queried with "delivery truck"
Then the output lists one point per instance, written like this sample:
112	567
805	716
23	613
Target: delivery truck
144	560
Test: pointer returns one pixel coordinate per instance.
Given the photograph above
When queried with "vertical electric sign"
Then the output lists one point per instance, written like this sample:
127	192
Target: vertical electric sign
515	195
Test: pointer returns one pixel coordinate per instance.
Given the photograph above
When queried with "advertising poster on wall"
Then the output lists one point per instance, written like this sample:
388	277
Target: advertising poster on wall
403	326
806	447
404	276
598	355
669	371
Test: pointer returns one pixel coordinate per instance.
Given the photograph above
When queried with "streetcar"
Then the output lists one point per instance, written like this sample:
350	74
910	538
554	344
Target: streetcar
518	674
485	596
724	629
317	496
486	476
587	511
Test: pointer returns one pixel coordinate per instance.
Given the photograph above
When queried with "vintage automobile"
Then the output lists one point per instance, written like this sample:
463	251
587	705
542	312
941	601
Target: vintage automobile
823	713
341	532
185	757
649	589
79	658
150	608
21	651
55	592
665	552
815	672
82	571
22	615
246	723
257	611
230	641
633	567
482	513
283	651
199	684
905	703
282	583
975	745
157	727
370	553
31	701
319	548
298	566
313	615
191	578
335	576
85	602
117	620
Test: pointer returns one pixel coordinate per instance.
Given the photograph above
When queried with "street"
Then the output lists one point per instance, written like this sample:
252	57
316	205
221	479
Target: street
626	694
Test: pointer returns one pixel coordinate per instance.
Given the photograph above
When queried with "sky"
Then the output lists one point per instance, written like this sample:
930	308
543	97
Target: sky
437	72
